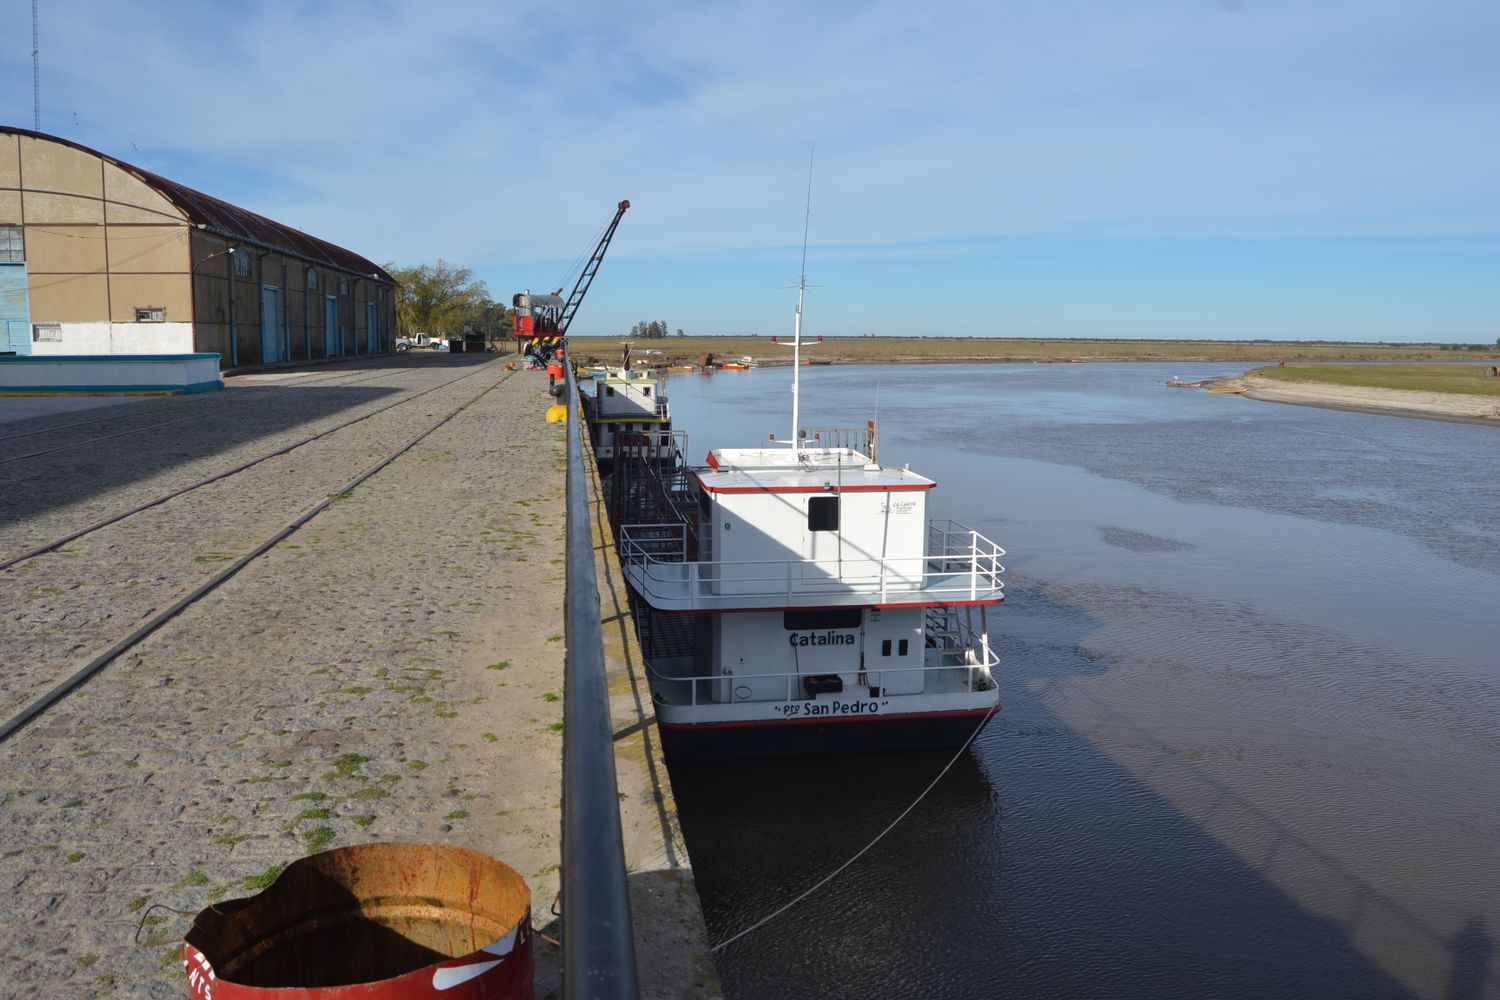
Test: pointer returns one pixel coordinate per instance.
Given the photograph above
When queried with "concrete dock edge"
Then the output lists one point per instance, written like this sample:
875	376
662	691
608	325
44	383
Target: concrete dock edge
672	948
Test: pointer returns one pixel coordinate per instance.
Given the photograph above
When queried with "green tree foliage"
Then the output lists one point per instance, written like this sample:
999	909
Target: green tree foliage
438	298
654	330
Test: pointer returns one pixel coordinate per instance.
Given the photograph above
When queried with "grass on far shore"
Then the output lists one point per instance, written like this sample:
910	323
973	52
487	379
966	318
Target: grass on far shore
867	350
1464	379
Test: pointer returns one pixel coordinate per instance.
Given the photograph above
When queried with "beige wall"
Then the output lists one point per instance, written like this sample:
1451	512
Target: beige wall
10	161
101	243
75	298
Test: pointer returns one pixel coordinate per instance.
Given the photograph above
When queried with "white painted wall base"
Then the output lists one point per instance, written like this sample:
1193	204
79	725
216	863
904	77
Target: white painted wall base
103	373
117	338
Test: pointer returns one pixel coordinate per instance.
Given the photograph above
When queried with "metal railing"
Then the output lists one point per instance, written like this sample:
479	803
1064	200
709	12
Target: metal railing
960	648
632	409
598	942
959	565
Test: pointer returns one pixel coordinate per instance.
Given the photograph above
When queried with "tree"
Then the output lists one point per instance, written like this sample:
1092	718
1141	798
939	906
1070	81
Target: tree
438	298
654	330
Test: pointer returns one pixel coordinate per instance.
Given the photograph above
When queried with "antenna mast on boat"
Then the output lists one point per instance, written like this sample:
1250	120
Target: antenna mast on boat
797	327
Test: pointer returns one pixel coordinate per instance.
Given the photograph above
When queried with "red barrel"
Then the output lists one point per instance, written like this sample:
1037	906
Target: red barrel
374	921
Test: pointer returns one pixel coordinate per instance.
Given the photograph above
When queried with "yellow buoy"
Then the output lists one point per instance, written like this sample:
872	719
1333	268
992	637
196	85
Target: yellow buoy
557	414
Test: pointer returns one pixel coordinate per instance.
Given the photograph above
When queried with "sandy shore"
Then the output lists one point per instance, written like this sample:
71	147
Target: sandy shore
1389	402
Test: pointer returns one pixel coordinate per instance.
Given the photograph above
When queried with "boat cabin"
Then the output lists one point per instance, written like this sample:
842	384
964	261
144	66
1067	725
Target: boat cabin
628	402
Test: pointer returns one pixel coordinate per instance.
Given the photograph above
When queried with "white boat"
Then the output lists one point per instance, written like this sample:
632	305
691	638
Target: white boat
627	403
797	601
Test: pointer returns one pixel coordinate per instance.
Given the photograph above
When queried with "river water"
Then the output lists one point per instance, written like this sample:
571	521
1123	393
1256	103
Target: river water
1250	744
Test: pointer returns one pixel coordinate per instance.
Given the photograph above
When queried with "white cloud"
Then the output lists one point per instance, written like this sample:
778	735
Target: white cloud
483	132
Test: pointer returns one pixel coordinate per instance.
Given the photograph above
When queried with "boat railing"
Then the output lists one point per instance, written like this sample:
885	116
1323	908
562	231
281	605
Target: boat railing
957	648
831	438
962	565
632	408
953	548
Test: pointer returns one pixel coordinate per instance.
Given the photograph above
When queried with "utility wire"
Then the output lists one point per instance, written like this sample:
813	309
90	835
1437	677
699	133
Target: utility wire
862	851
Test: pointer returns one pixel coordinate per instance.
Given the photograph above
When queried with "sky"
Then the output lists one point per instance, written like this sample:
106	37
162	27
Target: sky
1227	169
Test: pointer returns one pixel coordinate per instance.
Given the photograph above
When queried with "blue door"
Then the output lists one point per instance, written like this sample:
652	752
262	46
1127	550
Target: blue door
270	324
333	344
15	311
372	335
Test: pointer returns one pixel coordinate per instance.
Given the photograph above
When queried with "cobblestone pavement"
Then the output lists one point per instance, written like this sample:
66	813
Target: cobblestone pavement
392	671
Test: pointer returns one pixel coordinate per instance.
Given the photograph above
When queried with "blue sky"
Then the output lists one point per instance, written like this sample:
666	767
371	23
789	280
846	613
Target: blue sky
1218	168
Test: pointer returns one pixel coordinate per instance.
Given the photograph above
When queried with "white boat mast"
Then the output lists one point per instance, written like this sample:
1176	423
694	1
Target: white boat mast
796	441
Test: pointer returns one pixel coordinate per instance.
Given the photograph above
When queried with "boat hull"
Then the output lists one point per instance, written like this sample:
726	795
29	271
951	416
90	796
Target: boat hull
819	737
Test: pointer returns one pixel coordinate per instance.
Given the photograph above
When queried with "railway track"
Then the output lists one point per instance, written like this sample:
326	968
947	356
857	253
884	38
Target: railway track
136	570
197	401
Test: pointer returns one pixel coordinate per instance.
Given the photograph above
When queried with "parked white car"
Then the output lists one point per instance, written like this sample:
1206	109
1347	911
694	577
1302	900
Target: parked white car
406	343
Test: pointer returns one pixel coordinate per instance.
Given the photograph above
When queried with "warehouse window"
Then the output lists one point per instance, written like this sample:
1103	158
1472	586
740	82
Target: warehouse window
12	249
241	265
312	277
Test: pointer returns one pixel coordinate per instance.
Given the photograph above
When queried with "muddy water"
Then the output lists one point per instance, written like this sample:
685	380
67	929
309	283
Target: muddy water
1251	737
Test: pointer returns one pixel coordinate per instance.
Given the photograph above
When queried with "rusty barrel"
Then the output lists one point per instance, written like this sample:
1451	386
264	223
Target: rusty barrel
373	921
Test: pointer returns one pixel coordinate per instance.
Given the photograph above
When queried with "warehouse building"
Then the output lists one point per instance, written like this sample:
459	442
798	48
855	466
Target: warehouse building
101	257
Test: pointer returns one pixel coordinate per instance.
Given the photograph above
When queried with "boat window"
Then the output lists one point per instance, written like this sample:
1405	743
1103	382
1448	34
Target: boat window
823	514
646	390
828	618
609	390
901	649
885	647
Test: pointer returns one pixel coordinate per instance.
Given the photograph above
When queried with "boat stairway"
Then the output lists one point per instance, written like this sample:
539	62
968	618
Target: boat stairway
665	635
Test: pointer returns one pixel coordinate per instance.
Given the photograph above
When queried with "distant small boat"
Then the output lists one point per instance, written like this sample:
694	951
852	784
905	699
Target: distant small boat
818	361
1184	384
1077	361
734	366
1228	390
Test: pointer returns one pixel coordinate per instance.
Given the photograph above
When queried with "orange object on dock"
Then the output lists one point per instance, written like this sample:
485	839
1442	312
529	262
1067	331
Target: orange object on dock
374	921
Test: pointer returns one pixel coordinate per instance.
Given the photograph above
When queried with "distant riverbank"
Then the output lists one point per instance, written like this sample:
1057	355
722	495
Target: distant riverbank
1371	399
978	350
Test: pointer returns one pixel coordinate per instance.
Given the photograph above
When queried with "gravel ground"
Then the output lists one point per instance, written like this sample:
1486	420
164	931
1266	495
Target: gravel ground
392	671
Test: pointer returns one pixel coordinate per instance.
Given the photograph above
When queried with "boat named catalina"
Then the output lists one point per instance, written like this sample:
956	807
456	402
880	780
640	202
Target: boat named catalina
797	601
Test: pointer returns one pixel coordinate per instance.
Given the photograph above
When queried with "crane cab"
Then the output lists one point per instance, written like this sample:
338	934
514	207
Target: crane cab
537	321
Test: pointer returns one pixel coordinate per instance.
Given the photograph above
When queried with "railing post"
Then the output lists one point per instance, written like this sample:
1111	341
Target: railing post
973	565
599	947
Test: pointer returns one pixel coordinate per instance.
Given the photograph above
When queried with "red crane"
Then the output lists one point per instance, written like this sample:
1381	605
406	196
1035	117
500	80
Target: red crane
542	320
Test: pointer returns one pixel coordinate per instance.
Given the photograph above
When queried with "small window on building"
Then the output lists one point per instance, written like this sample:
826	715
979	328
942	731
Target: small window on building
312	277
646	389
150	314
901	649
885	647
823	514
12	246
343	286
241	264
609	390
47	333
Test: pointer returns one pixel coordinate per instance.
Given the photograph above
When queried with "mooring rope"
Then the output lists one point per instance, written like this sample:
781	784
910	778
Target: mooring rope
863	850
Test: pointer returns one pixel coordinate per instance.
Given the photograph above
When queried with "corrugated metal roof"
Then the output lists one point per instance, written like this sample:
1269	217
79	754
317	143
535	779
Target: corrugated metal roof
236	223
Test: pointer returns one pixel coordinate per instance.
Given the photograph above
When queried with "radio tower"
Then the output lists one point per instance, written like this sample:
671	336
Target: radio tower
36	73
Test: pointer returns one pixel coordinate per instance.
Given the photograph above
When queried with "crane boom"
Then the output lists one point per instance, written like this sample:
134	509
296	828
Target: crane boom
586	276
541	321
